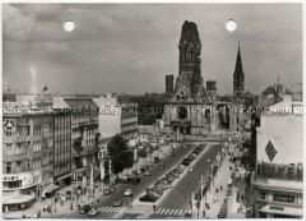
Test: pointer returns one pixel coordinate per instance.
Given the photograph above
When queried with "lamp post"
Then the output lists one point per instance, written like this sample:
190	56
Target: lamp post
135	158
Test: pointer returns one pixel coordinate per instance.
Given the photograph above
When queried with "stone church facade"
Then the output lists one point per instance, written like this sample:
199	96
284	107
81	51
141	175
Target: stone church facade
189	110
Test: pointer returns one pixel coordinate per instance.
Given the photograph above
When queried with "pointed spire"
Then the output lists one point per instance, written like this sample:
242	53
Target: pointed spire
238	60
238	73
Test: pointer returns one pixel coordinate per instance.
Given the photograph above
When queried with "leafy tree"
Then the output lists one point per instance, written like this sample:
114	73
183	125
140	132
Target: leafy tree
120	154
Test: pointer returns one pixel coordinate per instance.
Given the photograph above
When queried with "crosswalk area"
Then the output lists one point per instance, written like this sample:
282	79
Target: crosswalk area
109	209
171	211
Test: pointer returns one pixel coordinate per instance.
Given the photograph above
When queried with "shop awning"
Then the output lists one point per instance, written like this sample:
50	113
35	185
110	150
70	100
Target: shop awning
282	210
50	189
9	199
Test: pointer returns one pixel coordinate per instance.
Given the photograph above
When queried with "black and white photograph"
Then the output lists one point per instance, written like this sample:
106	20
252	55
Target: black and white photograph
152	111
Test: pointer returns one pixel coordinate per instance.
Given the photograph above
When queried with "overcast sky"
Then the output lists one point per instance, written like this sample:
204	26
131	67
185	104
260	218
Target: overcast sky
130	48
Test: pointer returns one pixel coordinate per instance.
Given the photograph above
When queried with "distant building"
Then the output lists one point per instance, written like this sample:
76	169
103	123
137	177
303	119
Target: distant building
169	84
150	107
109	115
211	89
238	76
8	95
278	180
117	117
273	94
288	105
27	164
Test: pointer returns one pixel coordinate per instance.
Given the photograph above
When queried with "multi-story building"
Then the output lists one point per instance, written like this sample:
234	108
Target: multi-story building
62	158
27	154
129	122
278	180
84	135
109	115
115	117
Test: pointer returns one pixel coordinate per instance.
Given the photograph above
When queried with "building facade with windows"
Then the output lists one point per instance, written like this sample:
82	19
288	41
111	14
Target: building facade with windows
84	133
129	122
62	158
117	117
278	179
27	154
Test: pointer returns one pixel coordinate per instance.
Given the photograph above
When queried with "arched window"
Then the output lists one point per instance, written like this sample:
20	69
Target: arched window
182	112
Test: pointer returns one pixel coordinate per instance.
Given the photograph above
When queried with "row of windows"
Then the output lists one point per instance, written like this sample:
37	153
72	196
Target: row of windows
21	166
61	150
279	197
11	149
12	184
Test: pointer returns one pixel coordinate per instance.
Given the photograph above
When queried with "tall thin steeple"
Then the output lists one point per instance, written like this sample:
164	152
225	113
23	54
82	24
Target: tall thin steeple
238	78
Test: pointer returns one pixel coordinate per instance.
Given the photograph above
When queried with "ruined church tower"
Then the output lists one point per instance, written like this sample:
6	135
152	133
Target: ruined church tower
189	84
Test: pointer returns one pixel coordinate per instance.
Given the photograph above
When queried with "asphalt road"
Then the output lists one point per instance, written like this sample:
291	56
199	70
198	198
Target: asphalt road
158	170
179	197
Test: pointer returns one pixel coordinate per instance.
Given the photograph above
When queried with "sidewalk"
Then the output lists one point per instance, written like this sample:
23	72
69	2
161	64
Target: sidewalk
217	191
235	209
60	208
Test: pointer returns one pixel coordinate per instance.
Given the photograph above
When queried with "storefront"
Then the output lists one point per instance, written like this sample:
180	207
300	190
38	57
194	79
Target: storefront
13	201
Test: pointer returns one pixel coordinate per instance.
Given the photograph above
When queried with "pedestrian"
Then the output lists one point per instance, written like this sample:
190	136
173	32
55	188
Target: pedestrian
203	213
154	208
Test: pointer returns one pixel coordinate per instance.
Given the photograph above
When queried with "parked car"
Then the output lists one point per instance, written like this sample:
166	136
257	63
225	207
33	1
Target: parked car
85	209
93	212
134	180
128	192
117	203
156	160
147	173
108	191
186	162
68	195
